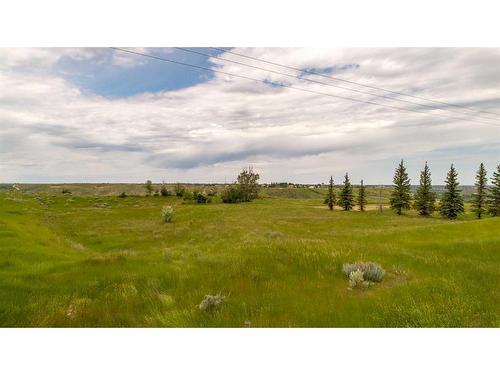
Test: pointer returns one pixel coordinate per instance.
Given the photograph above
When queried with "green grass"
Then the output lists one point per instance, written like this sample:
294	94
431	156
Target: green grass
89	261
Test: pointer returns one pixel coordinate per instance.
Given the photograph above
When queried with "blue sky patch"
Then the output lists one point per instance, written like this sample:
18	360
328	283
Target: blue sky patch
102	77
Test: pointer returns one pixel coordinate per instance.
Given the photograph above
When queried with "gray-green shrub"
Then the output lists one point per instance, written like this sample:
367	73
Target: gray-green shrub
210	302
371	271
356	279
166	213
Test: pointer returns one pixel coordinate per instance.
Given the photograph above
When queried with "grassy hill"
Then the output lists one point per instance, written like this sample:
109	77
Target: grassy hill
93	259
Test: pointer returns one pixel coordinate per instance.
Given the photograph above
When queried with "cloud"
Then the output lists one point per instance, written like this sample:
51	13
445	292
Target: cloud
51	128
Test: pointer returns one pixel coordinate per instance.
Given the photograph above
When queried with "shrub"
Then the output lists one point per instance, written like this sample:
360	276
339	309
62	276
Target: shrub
210	302
164	191
374	272
179	190
122	195
248	185
149	187
231	194
200	197
356	279
187	196
167	213
371	271
245	189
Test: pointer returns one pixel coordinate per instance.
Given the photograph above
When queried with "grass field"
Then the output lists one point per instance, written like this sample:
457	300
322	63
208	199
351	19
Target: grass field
93	261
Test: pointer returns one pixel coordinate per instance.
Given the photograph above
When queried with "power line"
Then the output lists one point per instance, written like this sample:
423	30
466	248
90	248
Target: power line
286	86
352	82
328	84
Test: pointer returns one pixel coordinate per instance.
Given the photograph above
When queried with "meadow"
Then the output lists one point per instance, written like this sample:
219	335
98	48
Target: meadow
93	259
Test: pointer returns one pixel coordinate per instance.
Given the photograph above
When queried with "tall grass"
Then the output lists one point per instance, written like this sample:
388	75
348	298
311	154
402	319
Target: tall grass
278	261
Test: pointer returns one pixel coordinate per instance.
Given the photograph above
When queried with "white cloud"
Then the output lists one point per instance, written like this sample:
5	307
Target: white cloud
49	129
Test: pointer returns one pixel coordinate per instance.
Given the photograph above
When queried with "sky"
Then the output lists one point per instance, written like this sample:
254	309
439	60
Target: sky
103	115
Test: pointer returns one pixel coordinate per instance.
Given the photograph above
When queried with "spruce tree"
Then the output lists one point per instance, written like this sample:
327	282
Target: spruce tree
425	199
361	197
330	198
346	196
401	195
494	196
479	198
451	204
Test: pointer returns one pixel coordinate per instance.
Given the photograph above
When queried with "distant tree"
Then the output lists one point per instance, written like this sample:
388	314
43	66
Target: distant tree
401	194
361	197
451	204
244	190
425	199
149	187
179	190
346	199
479	197
248	184
164	191
330	198
494	196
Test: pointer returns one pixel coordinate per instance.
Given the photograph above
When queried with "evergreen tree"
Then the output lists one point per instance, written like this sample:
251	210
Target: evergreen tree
401	195
452	203
361	197
479	198
494	198
425	199
346	197
330	198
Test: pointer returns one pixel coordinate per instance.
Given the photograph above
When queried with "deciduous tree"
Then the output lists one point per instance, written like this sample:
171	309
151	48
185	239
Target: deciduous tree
248	185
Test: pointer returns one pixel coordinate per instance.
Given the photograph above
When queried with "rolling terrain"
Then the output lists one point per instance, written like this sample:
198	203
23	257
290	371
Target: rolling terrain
95	260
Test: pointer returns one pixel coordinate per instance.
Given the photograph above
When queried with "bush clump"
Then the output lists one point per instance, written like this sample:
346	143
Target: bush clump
370	271
187	196
166	213
210	302
179	190
212	192
231	194
122	195
245	189
196	197
164	191
200	197
356	279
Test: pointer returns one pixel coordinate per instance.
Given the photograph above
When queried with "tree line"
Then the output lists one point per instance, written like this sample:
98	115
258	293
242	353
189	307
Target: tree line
486	200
